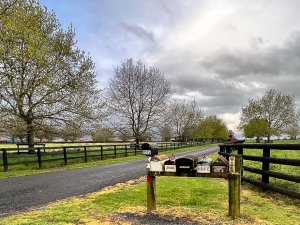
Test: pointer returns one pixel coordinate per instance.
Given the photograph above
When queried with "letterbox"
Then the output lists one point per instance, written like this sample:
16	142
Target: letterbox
186	164
204	164
219	167
149	149
170	166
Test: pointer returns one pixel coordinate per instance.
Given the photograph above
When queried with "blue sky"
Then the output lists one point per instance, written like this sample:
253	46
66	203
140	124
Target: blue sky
219	52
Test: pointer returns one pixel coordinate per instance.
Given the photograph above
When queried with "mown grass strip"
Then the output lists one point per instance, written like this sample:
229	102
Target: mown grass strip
199	200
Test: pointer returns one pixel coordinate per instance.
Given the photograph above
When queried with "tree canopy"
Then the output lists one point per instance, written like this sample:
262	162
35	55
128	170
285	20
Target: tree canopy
256	127
211	127
44	77
278	110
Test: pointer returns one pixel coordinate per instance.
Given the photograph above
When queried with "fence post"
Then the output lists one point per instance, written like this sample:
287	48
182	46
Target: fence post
39	158
174	146
85	153
101	149
135	147
234	189
5	160
241	152
65	155
18	149
115	149
166	146
126	151
151	193
266	165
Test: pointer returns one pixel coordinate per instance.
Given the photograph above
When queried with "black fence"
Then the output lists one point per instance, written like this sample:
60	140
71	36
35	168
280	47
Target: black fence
267	164
13	157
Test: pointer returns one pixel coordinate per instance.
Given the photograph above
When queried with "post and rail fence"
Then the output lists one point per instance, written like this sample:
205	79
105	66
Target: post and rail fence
10	157
267	164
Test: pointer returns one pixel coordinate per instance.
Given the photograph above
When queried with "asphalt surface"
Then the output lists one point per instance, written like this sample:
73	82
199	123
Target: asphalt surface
22	193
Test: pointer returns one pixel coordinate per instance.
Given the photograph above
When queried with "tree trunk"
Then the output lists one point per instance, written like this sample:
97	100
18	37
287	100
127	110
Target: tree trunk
137	141
30	138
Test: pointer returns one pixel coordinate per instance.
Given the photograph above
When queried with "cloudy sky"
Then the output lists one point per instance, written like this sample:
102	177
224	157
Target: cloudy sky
219	52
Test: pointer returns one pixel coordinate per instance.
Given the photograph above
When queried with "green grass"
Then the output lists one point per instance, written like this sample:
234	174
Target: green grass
23	170
200	200
291	170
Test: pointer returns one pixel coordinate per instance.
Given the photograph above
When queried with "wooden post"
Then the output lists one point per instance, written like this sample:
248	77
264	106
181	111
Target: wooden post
151	195
5	160
126	154
266	165
115	150
85	154
101	149
65	155
234	189
39	158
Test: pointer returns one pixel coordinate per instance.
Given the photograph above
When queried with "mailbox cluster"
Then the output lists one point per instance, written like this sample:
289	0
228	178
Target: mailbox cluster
184	165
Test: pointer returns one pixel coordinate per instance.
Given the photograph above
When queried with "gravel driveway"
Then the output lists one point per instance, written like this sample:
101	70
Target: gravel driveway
21	193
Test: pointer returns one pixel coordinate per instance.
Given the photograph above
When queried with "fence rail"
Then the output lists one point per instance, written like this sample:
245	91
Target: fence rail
266	162
19	156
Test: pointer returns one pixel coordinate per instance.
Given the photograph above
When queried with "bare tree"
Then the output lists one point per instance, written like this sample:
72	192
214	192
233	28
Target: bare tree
102	134
165	132
183	116
137	96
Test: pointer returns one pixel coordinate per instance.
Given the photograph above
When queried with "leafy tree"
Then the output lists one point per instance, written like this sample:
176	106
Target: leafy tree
183	116
136	97
278	109
43	75
102	134
256	128
211	127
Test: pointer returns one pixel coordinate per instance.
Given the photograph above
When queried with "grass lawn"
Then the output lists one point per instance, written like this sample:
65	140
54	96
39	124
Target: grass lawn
199	200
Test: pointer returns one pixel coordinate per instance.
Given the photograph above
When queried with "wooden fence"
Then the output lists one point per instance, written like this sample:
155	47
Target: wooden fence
19	156
266	161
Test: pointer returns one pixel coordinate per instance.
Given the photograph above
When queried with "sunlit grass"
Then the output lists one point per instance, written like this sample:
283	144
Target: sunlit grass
200	200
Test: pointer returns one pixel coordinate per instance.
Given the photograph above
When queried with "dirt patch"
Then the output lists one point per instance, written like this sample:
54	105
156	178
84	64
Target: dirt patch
151	219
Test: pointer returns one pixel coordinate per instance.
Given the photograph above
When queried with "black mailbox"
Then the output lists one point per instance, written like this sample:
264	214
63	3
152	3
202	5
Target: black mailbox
149	149
186	164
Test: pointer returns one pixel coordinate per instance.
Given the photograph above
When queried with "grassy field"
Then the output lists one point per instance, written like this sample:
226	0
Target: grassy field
287	154
199	200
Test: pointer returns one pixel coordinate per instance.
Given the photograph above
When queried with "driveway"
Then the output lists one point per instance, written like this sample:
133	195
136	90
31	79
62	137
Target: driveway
22	193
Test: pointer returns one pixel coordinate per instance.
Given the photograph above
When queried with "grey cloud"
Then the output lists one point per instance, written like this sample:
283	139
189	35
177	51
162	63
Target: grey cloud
267	61
139	32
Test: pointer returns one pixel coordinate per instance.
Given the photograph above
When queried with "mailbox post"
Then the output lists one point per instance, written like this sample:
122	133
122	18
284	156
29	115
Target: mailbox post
150	150
187	166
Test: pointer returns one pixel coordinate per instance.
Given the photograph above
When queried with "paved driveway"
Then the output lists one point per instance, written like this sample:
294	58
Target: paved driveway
21	193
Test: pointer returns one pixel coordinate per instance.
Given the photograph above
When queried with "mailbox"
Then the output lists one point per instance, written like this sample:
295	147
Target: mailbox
186	164
203	165
219	167
149	149
170	166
